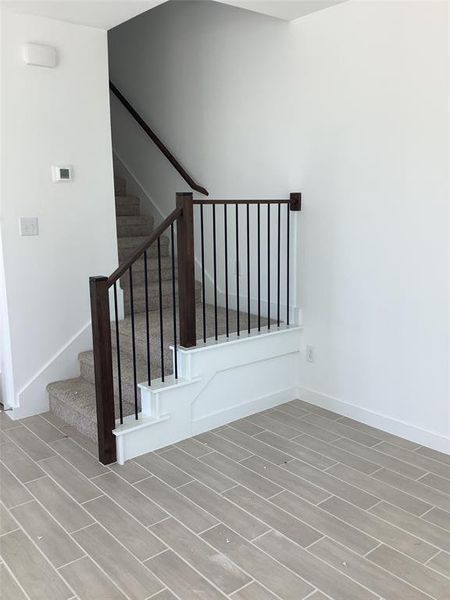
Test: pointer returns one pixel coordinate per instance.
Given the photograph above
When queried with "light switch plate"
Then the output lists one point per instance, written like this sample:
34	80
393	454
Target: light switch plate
39	55
29	226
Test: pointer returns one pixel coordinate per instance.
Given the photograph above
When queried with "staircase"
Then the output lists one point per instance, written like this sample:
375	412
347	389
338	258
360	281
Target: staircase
73	400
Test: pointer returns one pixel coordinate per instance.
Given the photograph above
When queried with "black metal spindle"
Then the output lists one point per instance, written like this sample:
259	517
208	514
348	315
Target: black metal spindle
161	322
119	373
288	245
202	236
259	267
215	269
147	319
248	268
174	308
225	231
268	266
278	266
237	272
133	341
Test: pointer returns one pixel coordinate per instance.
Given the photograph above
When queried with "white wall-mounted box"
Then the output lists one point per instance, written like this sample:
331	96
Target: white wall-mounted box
39	55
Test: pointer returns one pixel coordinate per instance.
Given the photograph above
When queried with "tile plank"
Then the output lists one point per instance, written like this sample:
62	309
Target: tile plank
176	504
12	492
61	506
326	523
240	474
297	423
130	499
255	446
127	572
365	572
276	518
378	433
439	483
39	580
420	576
45	532
295	450
8	586
286	480
438	517
225	447
179	577
21	465
30	443
198	470
89	582
416	459
441	563
337	454
380	459
379	489
167	472
82	460
414	525
224	510
379	529
255	591
7	523
43	429
270	573
134	536
316	572
75	484
217	568
331	484
341	429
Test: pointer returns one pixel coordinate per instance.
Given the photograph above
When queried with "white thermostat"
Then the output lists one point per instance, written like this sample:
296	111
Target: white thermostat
61	173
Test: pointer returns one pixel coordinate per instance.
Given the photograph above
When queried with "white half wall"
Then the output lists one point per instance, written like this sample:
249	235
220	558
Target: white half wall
371	94
51	117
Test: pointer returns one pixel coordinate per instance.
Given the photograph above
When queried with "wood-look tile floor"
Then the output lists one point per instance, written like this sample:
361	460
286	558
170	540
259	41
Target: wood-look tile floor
292	503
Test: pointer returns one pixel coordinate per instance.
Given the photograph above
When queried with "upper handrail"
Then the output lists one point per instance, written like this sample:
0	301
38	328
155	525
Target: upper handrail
155	139
144	246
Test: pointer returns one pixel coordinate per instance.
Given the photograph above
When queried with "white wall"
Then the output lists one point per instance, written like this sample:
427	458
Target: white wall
371	90
53	116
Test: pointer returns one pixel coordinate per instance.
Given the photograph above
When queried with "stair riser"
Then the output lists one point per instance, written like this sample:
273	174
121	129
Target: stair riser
152	252
134	229
82	423
139	300
127	210
152	277
120	186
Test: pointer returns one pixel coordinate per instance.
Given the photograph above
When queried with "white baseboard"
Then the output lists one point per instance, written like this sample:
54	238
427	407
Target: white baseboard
374	419
33	399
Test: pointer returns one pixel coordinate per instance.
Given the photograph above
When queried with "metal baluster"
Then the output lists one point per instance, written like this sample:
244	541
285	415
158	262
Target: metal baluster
225	220
174	308
215	269
278	267
248	268
237	272
259	267
147	317
268	266
203	272
161	322
133	341
119	373
288	245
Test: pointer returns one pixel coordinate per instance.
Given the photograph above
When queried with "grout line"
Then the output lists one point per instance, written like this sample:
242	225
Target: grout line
243	587
72	561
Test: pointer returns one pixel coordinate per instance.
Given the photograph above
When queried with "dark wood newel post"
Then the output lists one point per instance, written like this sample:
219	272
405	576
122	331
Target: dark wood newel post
186	271
295	201
104	386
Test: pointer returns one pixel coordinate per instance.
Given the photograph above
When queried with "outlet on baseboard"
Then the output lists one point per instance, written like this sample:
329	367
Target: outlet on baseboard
309	354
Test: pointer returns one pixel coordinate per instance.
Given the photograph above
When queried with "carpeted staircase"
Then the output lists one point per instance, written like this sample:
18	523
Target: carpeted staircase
73	400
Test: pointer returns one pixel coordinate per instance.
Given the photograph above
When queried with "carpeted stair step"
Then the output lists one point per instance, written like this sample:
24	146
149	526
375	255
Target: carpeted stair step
127	245
127	206
73	401
153	296
120	185
131	226
152	273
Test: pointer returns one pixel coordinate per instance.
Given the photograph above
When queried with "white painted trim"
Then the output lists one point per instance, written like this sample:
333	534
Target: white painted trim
33	397
239	411
378	420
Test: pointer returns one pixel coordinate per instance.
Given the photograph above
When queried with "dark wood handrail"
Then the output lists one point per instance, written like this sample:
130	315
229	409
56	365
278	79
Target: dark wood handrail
158	143
144	246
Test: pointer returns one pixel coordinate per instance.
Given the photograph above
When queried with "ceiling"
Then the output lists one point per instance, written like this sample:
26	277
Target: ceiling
106	14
